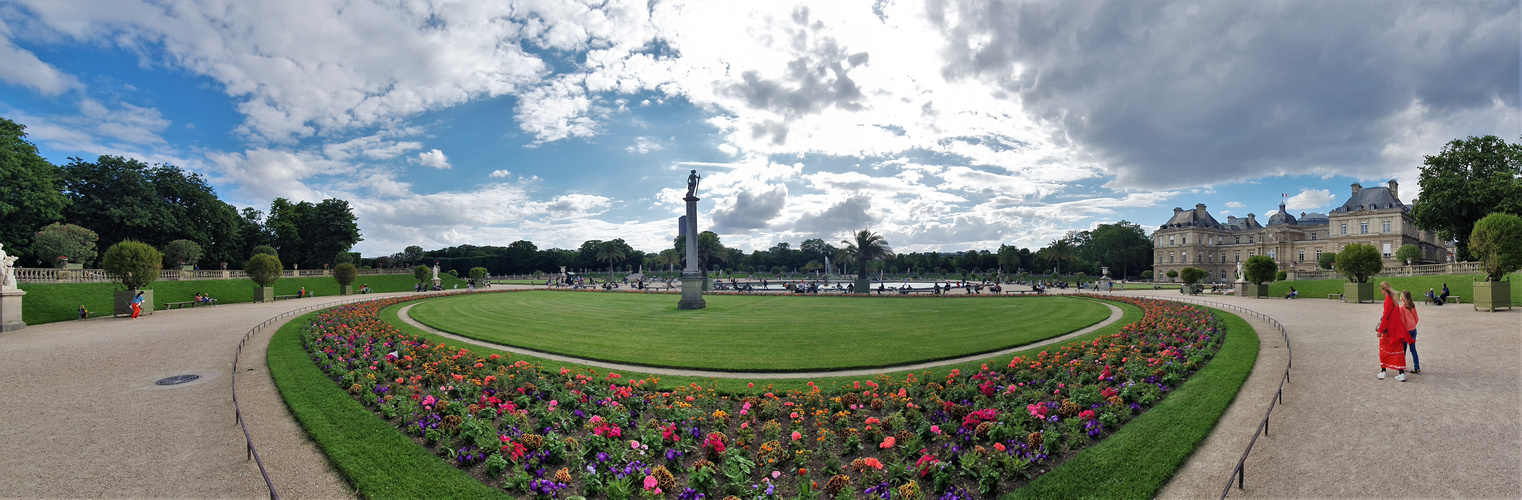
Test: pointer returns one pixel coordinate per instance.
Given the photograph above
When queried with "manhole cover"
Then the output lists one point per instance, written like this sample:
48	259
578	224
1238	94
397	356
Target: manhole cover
177	379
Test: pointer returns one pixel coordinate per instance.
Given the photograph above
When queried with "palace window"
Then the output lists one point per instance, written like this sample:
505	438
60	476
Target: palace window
1239	257
1170	257
1223	274
1344	228
1387	226
1249	239
1313	236
1239	240
1318	255
1170	241
1184	241
1387	250
1363	228
1302	256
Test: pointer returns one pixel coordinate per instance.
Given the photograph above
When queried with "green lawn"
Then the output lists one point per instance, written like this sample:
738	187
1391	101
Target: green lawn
1459	284
49	302
375	458
1138	460
755	332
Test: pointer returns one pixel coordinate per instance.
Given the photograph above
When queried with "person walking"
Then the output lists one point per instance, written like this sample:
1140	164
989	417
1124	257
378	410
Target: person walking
137	304
1393	335
1408	309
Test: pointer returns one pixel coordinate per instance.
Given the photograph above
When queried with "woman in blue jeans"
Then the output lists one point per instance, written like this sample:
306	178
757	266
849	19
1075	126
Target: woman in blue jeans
1408	308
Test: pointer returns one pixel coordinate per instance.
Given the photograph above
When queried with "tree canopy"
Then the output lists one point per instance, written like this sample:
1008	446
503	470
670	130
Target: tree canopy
31	191
1469	179
124	199
865	246
58	244
1358	262
1497	241
1260	269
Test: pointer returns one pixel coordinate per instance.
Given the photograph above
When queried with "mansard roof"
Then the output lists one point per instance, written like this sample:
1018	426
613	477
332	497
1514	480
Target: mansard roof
1282	218
1191	218
1373	198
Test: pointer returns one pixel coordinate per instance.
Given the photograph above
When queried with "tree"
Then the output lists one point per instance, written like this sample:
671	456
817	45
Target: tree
31	189
1326	260
1122	246
1191	275
864	247
122	198
522	257
132	264
1059	252
1497	241
266	250
477	273
1009	258
1260	269
1172	274
345	273
330	228
610	252
1409	254
264	269
1281	276
59	244
1146	275
181	253
421	272
1467	180
1358	262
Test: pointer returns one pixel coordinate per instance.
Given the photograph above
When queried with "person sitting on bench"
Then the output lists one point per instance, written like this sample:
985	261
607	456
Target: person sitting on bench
1442	299
1292	293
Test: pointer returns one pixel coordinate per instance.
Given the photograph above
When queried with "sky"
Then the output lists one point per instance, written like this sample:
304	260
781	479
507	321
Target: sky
944	125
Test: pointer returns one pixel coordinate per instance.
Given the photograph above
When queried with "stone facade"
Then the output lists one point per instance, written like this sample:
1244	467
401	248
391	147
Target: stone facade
1374	216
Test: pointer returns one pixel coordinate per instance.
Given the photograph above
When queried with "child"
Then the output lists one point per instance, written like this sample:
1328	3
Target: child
1409	310
82	312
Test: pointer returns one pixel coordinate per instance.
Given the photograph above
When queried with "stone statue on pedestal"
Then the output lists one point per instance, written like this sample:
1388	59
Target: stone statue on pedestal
692	276
1241	276
692	184
7	270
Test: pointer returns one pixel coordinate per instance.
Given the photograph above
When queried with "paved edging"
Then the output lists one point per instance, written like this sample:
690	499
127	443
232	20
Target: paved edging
1115	315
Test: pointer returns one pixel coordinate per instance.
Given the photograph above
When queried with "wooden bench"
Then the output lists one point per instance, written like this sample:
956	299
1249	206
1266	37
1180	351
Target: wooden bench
181	305
1020	292
284	297
1334	296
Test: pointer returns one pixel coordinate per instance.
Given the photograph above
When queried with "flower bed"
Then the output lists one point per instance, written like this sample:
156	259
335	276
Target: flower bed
564	432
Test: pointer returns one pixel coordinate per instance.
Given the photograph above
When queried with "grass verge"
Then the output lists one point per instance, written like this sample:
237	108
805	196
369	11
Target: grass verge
375	458
757	332
50	302
1458	284
1138	460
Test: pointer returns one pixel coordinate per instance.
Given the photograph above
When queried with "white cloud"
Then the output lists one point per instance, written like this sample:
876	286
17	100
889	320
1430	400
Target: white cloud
433	158
1309	200
21	67
643	145
1235	204
499	174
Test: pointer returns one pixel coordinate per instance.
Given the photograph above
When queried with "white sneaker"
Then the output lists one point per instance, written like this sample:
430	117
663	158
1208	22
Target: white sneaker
1381	375
1401	377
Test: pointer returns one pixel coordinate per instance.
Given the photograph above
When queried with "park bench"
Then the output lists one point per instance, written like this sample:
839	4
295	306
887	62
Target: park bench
284	297
1020	292
1334	296
181	305
902	291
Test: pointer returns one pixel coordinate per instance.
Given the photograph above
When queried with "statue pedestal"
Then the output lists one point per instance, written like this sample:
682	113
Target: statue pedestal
692	292
10	310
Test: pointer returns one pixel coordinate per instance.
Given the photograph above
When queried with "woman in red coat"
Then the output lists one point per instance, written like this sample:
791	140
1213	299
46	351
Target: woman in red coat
1393	335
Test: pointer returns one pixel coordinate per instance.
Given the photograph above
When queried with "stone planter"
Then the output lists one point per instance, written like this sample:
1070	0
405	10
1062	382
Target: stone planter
1355	293
346	289
122	302
264	294
1492	295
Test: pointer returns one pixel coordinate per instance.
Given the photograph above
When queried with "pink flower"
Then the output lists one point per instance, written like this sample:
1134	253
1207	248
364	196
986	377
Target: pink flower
935	429
651	483
776	474
873	463
797	436
634	445
1086	414
888	442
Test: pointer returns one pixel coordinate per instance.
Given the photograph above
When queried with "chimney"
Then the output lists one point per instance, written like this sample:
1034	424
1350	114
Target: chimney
1252	219
1356	188
1395	190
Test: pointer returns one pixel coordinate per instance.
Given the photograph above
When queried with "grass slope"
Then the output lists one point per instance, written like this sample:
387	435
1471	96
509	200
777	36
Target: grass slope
755	332
1458	284
375	458
1139	459
50	302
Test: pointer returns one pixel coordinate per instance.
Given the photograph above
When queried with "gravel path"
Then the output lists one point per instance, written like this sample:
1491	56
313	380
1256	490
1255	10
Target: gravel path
1115	314
84	419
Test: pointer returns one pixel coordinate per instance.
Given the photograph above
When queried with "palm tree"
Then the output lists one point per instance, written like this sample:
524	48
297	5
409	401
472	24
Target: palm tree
610	252
1059	252
670	257
843	258
867	246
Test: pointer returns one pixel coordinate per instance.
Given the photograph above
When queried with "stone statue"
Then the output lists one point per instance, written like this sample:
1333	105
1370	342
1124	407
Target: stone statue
1241	276
692	184
7	269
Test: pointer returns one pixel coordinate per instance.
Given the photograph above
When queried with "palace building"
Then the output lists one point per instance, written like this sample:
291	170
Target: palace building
1373	216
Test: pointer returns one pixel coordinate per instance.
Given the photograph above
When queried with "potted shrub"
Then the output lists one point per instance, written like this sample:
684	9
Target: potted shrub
345	274
132	265
182	254
1191	276
264	269
1359	262
1172	274
1497	241
1259	270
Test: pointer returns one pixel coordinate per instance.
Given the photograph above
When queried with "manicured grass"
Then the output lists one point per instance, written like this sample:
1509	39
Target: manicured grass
757	332
49	302
1458	284
1129	315
375	458
519	282
1138	460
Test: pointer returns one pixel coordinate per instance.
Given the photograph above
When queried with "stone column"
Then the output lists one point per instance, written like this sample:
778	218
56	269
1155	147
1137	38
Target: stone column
692	275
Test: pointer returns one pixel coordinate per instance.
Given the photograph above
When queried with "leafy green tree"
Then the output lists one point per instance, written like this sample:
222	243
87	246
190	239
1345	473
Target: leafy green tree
477	273
59	244
522	257
1059	252
1467	180
132	264
263	269
181	253
1281	276
866	246
1358	262
1122	246
122	198
413	254
331	227
422	273
345	273
1497	241
1172	274
610	252
1146	275
1409	254
1191	275
1326	260
1009	258
1260	269
266	250
31	190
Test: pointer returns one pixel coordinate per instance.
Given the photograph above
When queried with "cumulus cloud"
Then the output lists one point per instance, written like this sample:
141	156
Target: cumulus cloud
433	158
751	210
1309	200
1235	204
21	67
848	215
643	145
499	174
